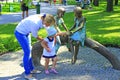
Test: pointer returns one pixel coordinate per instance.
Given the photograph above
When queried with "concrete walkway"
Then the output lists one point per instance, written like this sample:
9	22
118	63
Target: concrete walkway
89	66
45	8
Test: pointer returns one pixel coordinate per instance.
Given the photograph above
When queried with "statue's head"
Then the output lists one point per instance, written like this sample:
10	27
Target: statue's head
60	11
78	12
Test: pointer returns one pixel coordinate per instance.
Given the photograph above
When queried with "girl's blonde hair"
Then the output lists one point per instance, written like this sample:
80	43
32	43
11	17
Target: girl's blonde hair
49	19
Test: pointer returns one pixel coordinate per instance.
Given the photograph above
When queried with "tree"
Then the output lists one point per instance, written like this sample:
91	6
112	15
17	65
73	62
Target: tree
116	2
96	2
109	5
6	1
91	1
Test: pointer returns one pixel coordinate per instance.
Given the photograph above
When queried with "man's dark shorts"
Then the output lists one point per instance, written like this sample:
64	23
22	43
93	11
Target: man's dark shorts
24	7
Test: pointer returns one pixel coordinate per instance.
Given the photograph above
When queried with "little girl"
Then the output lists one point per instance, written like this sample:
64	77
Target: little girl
49	50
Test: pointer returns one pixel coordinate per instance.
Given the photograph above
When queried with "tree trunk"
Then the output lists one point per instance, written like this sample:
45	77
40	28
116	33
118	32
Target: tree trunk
91	1
96	2
104	52
6	1
116	2
109	5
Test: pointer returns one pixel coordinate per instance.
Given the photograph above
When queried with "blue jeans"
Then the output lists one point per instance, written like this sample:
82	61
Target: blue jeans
25	43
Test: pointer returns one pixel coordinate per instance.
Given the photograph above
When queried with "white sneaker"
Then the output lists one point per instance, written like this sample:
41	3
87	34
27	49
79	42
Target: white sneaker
29	77
35	72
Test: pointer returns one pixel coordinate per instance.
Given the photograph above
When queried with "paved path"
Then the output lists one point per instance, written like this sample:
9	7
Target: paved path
45	8
89	66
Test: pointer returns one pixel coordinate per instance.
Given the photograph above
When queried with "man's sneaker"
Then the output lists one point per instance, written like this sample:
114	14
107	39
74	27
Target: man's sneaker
46	72
53	71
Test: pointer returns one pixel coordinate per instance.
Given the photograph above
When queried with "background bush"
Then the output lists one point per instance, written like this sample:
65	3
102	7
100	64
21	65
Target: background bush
101	26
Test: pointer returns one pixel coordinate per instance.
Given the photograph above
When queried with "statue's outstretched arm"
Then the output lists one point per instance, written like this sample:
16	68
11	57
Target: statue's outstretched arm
80	26
57	28
73	27
64	26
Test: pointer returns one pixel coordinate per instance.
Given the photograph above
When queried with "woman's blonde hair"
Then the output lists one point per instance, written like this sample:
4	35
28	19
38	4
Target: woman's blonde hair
49	19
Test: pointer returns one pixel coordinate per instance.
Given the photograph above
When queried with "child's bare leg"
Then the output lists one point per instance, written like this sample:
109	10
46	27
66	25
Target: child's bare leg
46	63
54	65
54	62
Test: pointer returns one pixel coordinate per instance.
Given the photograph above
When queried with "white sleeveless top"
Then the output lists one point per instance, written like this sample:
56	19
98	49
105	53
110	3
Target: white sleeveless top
51	45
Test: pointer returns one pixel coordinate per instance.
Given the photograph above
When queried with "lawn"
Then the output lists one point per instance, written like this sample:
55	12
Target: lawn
12	7
8	41
101	26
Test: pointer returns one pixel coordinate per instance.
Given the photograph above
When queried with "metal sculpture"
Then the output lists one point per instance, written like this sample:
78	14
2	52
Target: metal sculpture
37	49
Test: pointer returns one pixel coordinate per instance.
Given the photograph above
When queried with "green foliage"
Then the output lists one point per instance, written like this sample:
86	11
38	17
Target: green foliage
15	7
12	7
8	41
2	49
101	26
71	2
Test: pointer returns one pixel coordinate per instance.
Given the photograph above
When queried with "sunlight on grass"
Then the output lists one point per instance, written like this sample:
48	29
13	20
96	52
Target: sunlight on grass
114	15
111	28
5	36
92	13
115	34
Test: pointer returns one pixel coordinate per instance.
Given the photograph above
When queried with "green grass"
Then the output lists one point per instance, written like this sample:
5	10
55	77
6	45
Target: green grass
12	7
16	6
102	26
7	38
8	41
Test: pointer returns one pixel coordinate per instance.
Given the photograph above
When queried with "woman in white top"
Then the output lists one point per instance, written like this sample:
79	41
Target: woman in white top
31	24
